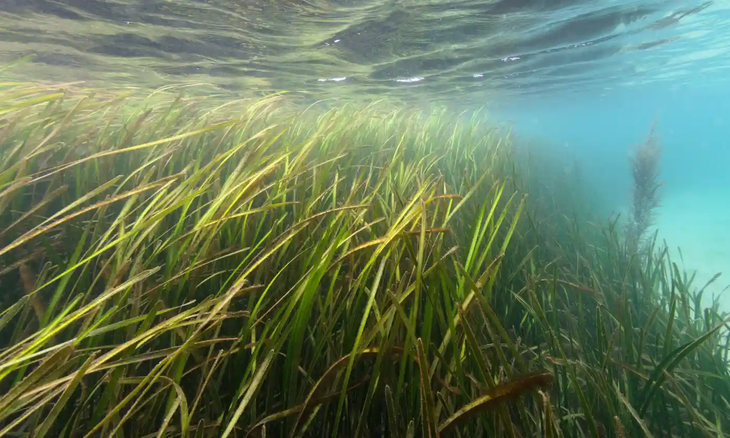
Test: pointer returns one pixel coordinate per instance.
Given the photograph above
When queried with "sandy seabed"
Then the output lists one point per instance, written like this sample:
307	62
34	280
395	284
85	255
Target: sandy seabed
696	227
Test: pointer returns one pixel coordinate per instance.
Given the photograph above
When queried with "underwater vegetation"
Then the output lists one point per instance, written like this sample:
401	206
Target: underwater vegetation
172	268
645	172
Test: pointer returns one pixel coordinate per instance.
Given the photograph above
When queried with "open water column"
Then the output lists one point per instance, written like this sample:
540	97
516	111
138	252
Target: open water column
683	89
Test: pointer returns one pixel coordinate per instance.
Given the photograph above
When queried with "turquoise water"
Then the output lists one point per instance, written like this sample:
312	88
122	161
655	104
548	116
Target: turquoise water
584	77
693	122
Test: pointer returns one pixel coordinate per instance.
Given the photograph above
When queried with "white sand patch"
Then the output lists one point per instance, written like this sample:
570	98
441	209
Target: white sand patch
698	224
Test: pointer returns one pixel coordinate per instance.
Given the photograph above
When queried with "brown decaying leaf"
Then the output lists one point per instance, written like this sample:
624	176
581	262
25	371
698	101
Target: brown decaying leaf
499	394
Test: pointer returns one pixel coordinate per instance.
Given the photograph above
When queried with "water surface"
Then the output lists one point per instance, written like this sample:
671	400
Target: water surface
468	51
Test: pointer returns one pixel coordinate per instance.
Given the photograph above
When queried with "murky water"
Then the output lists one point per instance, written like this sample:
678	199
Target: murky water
412	49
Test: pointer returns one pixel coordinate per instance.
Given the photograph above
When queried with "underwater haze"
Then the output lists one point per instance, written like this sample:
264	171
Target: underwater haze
391	218
693	121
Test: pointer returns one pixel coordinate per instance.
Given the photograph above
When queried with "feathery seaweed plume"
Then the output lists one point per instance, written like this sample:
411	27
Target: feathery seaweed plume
645	170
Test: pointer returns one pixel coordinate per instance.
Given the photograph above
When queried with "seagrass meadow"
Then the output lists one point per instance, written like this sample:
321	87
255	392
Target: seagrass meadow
175	268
